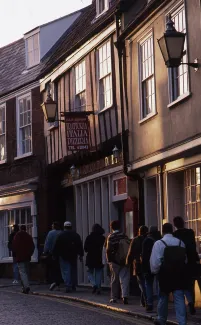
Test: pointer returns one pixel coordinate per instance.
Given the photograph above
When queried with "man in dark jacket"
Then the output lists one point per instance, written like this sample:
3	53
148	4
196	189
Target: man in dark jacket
23	247
187	236
94	247
68	247
134	256
10	242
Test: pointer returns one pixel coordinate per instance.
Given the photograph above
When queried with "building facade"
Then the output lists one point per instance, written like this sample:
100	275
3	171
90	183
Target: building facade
164	110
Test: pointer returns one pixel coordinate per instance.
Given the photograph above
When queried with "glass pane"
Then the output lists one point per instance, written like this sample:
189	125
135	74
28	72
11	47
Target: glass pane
23	217
29	217
198	175
17	217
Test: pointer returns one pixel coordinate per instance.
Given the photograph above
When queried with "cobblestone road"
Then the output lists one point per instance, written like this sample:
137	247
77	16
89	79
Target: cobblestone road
19	309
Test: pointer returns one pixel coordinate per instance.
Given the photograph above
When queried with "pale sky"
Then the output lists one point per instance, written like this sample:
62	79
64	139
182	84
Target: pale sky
19	16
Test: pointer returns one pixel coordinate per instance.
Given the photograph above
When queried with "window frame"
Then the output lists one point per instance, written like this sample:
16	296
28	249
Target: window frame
27	53
3	105
141	41
19	142
84	89
100	78
106	7
173	97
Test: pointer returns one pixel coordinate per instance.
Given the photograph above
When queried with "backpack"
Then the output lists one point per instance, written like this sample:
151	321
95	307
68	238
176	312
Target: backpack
122	251
174	258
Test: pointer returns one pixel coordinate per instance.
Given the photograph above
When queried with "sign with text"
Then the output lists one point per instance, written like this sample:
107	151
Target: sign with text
78	132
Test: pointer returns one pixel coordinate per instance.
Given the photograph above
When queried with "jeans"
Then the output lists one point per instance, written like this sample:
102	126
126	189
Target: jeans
179	305
141	283
119	274
68	272
95	277
24	274
55	272
149	283
15	271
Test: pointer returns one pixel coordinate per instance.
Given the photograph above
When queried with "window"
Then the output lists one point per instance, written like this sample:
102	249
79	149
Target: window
2	132
24	125
105	76
178	77
192	203
101	6
80	87
148	101
32	47
20	216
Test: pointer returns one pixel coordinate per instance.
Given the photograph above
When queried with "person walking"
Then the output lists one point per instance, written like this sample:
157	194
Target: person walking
10	242
53	263
168	260
93	246
116	251
188	238
23	248
147	246
135	257
67	248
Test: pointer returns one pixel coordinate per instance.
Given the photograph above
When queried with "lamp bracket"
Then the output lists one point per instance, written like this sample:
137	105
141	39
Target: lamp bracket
194	65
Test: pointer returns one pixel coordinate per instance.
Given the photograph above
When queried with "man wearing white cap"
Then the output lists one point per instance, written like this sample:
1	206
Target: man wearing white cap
68	247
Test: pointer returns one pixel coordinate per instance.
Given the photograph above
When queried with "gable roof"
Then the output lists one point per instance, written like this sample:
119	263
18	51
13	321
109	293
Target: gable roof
85	27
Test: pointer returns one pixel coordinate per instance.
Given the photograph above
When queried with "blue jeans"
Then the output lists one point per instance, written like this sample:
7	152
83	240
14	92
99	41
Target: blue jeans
95	277
141	283
15	271
68	272
179	305
149	282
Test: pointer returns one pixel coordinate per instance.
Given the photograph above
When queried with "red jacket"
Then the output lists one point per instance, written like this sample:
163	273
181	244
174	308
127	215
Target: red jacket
23	246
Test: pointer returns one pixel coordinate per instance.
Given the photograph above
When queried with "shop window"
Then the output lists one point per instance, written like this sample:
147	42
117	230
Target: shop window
192	203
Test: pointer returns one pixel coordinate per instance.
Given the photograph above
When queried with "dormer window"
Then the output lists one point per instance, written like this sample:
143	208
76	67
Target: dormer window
32	50
101	6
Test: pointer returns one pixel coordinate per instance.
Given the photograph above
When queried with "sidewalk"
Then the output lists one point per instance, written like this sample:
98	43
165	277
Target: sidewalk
84	295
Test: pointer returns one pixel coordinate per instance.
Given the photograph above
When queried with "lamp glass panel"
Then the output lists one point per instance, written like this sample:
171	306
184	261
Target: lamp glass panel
51	110
163	48
175	46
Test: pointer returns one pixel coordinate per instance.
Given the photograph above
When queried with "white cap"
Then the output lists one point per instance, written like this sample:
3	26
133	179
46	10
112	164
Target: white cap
67	224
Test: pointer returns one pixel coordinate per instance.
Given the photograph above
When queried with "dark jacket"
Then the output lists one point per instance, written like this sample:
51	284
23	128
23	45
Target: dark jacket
135	254
68	245
147	247
23	246
10	242
93	246
188	238
112	246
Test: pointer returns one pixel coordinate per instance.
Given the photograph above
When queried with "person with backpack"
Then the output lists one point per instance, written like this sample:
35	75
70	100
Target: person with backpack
93	246
147	246
168	261
67	248
188	238
116	251
15	230
135	257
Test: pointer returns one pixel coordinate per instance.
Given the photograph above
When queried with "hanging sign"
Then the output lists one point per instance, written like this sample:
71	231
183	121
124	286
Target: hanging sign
78	132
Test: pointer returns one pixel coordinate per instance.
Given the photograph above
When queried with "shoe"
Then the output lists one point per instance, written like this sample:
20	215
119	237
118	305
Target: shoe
149	308
125	301
113	301
74	288
94	289
15	282
98	292
68	290
53	285
26	290
192	309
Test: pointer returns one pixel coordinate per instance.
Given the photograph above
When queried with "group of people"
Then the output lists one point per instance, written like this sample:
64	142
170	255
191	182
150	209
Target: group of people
167	262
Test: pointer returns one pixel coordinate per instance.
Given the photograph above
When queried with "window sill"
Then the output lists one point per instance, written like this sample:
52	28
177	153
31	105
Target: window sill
24	156
180	99
3	161
105	109
147	118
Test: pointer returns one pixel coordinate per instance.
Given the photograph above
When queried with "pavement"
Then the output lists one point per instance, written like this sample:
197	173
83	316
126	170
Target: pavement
84	296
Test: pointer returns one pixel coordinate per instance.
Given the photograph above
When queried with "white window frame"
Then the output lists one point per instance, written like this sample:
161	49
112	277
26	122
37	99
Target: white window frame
35	61
183	70
142	41
80	91
19	141
106	7
103	77
4	134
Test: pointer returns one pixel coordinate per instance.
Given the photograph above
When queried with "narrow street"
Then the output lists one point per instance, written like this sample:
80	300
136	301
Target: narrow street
19	309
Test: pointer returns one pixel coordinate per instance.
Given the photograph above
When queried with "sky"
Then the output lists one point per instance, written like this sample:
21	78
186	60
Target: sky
19	16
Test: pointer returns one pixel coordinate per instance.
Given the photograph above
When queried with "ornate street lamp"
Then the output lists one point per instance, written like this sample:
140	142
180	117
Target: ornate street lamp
115	152
172	46
49	108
